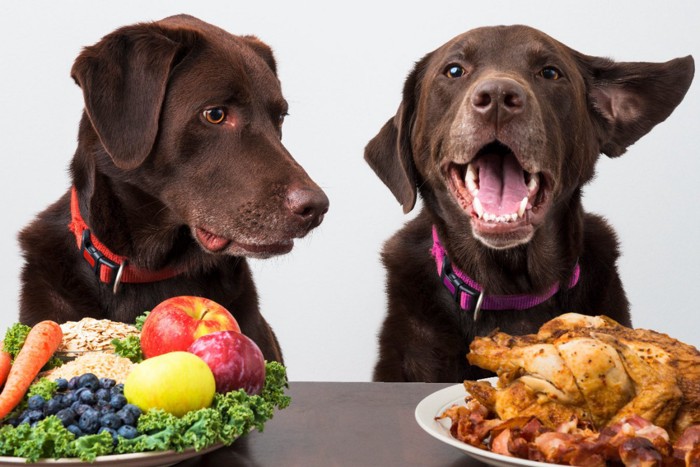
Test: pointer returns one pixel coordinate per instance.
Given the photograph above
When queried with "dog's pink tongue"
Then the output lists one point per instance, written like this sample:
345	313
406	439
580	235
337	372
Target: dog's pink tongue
501	183
211	241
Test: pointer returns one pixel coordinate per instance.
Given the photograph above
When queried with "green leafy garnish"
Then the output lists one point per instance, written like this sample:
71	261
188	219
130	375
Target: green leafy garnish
44	387
141	319
14	338
129	347
90	446
230	416
46	439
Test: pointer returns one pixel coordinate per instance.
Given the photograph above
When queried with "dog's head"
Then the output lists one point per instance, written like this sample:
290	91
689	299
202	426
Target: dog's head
501	126
191	116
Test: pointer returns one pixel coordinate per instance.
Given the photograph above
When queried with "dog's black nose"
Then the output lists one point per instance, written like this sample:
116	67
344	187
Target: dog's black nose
307	204
498	100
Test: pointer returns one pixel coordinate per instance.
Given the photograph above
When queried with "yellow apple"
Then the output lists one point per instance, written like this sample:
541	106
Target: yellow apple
176	382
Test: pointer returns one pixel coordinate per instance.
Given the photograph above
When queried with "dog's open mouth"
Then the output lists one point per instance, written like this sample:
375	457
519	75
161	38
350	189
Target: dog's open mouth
216	243
502	198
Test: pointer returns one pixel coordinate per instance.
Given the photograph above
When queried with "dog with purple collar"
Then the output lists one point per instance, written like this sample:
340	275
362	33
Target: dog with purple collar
498	131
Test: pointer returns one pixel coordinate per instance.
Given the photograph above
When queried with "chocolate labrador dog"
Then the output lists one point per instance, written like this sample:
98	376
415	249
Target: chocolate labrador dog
179	175
499	129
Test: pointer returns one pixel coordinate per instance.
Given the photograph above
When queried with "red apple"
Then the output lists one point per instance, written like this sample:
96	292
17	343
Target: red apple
177	322
235	360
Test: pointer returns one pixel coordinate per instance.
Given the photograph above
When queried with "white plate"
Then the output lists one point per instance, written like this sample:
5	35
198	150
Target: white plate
436	403
141	459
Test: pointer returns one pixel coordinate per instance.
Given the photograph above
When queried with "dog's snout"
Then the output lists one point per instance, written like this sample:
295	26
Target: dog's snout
498	99
307	204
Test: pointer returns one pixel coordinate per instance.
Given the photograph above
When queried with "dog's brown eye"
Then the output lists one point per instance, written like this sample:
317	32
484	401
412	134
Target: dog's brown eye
454	71
215	115
281	118
549	72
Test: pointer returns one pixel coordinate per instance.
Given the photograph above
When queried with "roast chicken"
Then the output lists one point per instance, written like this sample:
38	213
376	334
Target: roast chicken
591	368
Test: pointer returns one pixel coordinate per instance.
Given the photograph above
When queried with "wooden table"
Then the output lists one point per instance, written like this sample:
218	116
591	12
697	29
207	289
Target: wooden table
342	424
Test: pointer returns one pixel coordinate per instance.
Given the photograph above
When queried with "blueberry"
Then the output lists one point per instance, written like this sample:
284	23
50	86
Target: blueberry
53	406
103	394
133	413
105	408
87	397
80	408
127	417
89	422
66	416
75	430
107	383
92	412
111	420
127	431
117	389
117	401
36	402
62	384
69	398
24	420
35	415
90	381
134	409
73	382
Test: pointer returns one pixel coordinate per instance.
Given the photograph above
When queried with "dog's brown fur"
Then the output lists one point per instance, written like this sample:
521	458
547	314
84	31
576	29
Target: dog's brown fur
152	172
556	127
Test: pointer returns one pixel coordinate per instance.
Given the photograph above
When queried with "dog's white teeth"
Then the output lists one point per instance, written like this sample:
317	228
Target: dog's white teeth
500	219
523	207
478	208
534	183
471	173
470	179
472	187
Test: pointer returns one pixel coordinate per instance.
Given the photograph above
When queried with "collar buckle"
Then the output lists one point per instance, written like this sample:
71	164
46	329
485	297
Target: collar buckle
96	259
457	287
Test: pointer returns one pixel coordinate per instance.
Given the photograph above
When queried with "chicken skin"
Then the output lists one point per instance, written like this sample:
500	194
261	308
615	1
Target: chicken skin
592	368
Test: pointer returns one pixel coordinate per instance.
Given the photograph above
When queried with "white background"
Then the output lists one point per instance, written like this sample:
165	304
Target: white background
342	69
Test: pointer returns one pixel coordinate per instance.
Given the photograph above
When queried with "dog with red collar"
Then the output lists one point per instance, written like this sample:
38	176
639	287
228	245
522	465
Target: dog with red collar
179	176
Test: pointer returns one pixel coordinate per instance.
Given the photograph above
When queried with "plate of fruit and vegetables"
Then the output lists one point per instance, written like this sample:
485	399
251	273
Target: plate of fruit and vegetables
142	412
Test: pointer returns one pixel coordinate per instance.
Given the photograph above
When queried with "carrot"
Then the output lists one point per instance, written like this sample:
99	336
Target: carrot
5	364
40	345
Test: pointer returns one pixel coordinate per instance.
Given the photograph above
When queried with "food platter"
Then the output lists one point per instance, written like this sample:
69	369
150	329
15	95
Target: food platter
145	459
436	403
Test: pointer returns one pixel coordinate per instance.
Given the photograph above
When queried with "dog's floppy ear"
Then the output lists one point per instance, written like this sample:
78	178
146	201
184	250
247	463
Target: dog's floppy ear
389	153
123	78
263	50
630	98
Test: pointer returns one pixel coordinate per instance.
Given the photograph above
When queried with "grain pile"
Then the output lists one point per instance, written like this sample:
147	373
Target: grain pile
91	334
87	345
101	364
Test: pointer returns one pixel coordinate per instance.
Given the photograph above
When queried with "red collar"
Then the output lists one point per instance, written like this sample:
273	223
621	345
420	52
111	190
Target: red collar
111	268
471	296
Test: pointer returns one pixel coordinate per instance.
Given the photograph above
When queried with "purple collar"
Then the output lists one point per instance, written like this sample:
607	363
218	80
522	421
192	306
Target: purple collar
470	295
